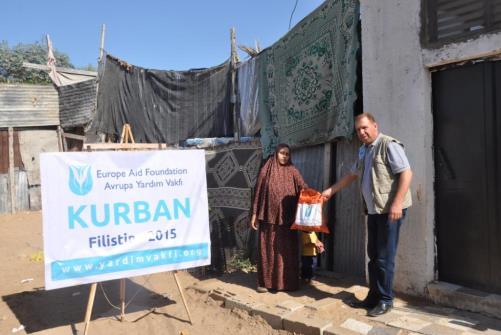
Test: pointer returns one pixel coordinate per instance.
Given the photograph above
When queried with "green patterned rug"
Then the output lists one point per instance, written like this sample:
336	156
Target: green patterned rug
307	79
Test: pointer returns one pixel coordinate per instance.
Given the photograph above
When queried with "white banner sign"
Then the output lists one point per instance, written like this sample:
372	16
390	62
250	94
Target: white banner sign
110	215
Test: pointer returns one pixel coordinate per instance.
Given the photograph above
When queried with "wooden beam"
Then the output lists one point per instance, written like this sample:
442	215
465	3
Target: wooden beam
59	69
490	54
12	180
74	136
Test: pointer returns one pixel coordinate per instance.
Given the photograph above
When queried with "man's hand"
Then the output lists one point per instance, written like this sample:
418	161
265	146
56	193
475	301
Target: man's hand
395	212
253	222
404	181
342	183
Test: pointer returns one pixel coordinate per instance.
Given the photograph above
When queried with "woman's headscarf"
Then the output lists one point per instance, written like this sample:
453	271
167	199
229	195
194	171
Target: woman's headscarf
277	190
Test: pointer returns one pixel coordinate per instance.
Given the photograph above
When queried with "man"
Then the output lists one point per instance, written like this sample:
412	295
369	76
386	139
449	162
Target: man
385	177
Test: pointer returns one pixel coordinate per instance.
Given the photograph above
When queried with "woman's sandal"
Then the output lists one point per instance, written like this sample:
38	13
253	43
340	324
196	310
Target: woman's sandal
261	289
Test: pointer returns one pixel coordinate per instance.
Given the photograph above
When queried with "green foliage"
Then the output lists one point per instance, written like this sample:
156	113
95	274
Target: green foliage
11	63
239	263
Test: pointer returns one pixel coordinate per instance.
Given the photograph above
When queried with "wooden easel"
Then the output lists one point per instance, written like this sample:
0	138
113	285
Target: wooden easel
126	142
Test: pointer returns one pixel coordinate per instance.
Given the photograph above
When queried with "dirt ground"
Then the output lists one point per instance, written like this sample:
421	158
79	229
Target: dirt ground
154	302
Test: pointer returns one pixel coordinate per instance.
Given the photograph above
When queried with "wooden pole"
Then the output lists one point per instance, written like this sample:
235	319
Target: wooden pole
90	304
12	179
174	273
122	299
101	44
59	139
233	98
99	64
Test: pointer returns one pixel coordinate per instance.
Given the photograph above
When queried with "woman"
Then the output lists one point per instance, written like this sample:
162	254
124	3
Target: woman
273	212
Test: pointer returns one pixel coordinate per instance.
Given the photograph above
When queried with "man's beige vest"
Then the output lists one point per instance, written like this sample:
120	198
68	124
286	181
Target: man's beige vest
384	182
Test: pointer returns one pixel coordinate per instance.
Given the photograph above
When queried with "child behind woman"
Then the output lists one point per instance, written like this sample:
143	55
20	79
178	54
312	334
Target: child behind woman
311	246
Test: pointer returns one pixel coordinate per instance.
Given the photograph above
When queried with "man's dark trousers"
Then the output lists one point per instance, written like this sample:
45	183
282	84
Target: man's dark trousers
382	241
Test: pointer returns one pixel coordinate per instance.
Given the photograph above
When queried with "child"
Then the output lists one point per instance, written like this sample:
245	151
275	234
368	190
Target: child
311	246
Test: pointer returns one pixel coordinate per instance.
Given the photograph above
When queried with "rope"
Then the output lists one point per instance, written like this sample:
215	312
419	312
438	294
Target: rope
290	20
141	287
106	297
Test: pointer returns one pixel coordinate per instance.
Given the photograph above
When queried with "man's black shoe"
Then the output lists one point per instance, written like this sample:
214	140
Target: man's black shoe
366	303
380	309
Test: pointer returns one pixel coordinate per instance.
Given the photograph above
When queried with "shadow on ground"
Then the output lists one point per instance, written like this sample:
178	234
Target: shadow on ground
40	309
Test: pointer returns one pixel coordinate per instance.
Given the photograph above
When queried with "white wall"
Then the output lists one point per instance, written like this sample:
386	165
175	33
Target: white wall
397	90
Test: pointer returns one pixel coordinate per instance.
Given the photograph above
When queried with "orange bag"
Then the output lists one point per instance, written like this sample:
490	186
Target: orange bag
309	212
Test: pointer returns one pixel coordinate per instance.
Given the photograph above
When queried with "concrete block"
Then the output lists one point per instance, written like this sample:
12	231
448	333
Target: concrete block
385	331
273	315
436	289
290	305
219	294
301	324
492	305
464	298
409	323
205	286
322	304
391	316
434	329
199	288
335	330
357	326
240	303
459	323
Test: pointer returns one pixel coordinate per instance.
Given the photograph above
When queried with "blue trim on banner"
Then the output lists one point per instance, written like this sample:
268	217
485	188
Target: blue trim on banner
92	266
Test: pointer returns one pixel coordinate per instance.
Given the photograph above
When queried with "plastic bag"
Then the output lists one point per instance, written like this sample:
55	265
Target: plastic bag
310	212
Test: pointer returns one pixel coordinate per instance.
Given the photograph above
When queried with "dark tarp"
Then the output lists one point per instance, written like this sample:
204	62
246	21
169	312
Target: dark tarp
77	103
164	106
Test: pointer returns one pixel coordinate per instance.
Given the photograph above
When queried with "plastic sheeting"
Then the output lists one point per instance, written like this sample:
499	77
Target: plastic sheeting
248	92
164	106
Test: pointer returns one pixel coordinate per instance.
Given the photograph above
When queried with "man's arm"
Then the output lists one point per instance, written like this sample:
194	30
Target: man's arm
342	183
404	182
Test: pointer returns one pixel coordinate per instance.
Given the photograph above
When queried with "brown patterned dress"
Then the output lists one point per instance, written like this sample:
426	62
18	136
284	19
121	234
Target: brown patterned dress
275	201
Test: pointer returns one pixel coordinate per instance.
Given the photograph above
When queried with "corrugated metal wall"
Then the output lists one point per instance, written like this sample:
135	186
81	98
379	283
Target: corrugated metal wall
345	246
21	196
309	161
349	229
28	105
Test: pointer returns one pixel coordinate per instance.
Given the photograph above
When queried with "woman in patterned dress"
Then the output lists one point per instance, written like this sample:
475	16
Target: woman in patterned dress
273	212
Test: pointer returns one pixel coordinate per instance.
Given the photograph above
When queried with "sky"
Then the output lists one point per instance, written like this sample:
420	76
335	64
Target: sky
155	34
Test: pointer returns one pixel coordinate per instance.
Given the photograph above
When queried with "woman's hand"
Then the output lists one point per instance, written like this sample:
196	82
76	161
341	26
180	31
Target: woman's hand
253	222
327	193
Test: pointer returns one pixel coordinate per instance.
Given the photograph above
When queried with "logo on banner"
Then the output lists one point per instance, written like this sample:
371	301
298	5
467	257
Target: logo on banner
308	210
80	179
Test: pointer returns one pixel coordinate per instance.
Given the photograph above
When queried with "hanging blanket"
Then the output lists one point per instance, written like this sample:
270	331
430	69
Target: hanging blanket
231	175
307	79
164	106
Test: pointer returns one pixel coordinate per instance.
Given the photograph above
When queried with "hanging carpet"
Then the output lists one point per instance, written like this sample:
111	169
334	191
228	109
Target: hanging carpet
307	79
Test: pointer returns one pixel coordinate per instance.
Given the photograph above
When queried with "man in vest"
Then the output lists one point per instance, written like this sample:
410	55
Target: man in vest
385	176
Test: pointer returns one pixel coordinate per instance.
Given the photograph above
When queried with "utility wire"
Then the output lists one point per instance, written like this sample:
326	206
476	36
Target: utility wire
292	14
